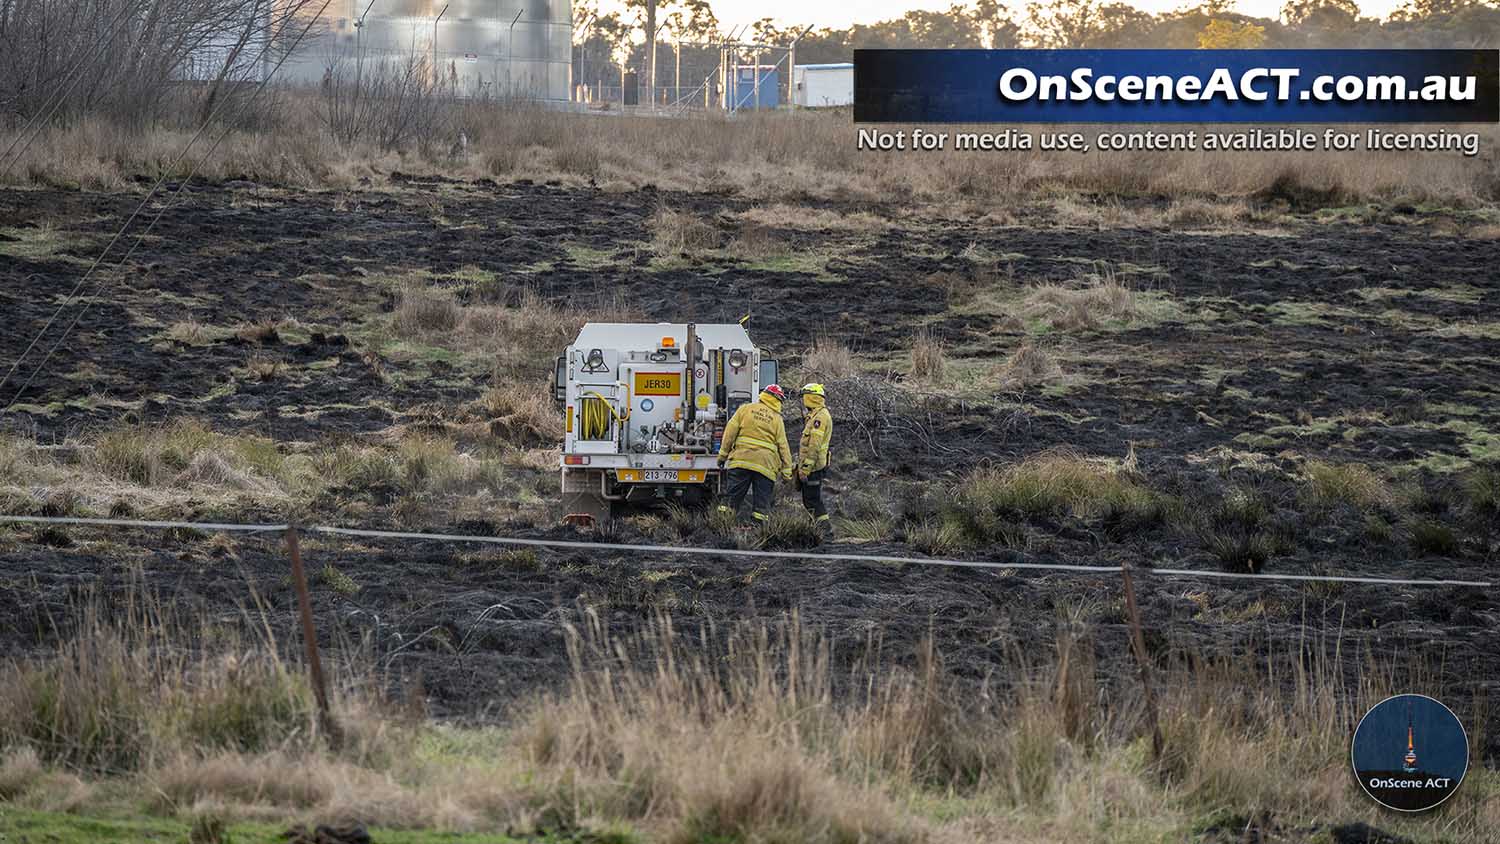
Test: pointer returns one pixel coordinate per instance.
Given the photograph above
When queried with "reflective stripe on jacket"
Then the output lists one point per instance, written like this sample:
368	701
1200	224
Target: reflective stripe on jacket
756	439
817	434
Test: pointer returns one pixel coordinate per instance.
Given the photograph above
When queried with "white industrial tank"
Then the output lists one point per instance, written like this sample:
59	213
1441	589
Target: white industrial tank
498	48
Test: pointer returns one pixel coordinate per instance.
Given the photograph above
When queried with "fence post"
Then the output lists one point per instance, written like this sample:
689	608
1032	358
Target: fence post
1143	661
309	633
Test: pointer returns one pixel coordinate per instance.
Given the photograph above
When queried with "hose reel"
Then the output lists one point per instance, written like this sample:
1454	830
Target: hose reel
594	412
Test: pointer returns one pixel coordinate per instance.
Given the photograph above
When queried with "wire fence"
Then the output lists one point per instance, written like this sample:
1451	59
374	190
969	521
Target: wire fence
310	636
638	548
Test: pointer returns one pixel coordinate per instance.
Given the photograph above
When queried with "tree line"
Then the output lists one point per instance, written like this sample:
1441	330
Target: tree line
607	39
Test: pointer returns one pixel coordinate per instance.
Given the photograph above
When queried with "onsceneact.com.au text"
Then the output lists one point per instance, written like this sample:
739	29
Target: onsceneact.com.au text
1256	84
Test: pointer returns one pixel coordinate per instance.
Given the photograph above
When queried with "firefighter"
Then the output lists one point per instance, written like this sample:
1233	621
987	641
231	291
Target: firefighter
812	454
756	450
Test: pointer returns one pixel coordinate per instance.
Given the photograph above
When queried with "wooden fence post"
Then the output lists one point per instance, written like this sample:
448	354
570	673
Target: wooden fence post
309	634
1143	661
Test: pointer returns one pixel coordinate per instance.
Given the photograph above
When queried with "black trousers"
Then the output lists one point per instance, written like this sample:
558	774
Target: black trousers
812	494
749	481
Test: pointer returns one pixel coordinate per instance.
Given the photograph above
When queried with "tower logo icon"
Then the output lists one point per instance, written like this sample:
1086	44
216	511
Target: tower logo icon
1386	759
1409	762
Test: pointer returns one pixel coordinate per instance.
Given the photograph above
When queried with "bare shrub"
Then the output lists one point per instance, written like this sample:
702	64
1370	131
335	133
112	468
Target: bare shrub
391	104
928	358
127	55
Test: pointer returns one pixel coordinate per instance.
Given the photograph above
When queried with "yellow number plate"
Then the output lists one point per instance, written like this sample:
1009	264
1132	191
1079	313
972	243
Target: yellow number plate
658	383
660	476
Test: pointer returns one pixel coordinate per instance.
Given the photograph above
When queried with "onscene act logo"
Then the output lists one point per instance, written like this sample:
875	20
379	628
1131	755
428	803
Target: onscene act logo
1410	753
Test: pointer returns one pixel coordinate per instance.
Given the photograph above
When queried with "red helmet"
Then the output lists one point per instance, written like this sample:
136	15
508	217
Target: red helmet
775	390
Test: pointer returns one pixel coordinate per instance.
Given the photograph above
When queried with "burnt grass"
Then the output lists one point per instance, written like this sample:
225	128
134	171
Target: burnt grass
1375	343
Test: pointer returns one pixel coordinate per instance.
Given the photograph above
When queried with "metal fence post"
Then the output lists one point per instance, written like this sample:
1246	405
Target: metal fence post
1138	645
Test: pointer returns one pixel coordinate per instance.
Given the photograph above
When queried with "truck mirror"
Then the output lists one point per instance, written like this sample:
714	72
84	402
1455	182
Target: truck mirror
560	380
768	373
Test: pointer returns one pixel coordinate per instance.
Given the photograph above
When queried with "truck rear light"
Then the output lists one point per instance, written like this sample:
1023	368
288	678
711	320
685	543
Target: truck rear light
575	460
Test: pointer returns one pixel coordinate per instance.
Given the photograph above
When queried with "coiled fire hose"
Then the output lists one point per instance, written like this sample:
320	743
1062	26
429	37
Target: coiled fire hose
593	417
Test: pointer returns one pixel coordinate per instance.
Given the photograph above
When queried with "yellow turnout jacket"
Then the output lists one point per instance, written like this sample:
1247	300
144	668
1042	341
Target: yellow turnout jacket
817	433
756	439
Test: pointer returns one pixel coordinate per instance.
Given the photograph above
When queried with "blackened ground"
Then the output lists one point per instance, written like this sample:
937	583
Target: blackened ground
1372	343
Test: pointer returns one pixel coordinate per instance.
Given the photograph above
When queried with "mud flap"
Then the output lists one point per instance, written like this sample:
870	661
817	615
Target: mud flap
591	505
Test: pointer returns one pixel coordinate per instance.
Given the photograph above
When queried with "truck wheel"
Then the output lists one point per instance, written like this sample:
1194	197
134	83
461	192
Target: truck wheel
592	503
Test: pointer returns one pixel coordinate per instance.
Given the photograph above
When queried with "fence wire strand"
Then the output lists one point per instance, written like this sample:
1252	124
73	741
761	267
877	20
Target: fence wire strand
416	536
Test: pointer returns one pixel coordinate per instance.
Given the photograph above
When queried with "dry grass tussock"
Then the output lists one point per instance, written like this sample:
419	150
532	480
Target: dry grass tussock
780	215
682	232
120	696
422	309
929	358
827	360
1329	484
1053	483
184	466
1029	365
769	157
747	734
522	414
1187	213
1097	299
515	331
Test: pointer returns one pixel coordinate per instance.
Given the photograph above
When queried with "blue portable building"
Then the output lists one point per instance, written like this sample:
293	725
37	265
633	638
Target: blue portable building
741	93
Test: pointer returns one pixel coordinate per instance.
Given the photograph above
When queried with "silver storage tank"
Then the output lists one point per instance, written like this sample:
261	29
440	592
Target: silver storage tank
493	47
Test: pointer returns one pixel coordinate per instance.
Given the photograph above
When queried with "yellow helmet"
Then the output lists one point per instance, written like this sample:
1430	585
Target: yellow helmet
815	389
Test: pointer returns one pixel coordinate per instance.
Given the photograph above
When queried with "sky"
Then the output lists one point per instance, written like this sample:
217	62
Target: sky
841	14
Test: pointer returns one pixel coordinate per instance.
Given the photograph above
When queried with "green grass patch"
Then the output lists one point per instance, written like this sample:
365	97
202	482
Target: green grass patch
36	243
1328	484
991	504
588	257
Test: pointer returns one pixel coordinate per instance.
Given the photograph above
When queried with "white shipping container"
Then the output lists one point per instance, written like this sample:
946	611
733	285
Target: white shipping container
821	85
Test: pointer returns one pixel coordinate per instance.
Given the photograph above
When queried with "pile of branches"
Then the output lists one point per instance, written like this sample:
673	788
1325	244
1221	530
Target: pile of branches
880	416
